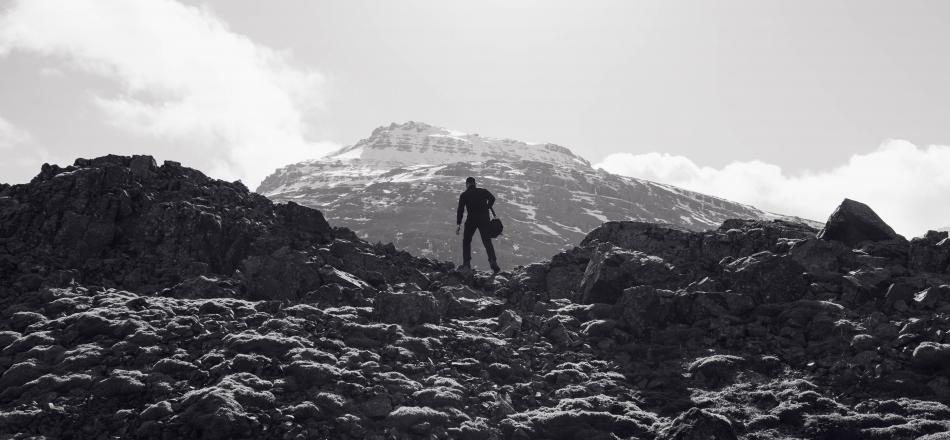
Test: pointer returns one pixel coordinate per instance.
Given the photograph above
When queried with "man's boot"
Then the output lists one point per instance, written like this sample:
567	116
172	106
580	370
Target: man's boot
494	267
465	267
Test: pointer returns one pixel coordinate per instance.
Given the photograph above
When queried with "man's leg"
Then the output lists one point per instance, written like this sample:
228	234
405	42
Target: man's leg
489	247
467	243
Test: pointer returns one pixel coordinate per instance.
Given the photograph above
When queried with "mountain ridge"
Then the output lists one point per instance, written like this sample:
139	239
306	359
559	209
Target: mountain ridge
400	185
460	146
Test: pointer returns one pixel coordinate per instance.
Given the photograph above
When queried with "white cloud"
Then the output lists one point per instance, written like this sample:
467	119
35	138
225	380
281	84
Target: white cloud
51	72
20	153
909	187
184	76
11	135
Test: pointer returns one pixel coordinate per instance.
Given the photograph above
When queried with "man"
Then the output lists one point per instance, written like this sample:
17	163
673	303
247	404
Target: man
478	201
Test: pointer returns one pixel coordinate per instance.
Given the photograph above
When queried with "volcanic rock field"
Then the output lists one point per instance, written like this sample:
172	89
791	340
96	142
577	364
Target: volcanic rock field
147	301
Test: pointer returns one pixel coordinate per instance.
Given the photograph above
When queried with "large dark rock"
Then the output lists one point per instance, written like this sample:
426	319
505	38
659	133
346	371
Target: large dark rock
611	270
853	223
556	423
932	356
645	307
699	424
768	277
715	370
284	274
407	307
566	272
823	257
669	242
931	252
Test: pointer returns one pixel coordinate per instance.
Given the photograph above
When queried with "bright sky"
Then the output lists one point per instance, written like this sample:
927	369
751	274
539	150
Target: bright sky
790	106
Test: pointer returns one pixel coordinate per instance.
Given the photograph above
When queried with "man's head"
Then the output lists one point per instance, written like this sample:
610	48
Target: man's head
470	182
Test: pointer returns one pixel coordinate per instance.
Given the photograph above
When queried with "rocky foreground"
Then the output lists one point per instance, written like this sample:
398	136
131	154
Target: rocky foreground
145	301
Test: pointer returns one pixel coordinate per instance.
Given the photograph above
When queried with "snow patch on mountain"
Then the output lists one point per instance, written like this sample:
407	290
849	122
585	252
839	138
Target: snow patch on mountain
417	143
401	185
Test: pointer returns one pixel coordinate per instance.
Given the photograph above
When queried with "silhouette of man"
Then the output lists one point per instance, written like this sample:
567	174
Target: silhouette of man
478	201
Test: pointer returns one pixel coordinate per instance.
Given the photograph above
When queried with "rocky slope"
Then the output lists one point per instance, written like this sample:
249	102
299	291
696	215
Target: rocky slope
145	301
401	185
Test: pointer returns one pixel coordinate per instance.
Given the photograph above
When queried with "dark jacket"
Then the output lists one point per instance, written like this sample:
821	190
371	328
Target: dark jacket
478	201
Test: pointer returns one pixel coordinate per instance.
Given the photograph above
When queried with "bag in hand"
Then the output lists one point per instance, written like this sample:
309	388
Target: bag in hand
494	226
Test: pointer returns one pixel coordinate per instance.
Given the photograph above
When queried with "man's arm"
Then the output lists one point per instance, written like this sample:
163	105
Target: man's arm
461	210
491	199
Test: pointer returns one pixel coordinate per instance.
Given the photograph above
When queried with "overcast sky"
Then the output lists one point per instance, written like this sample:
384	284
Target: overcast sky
789	106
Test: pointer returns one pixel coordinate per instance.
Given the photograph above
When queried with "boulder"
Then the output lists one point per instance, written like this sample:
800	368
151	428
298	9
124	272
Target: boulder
532	277
933	296
557	332
21	373
863	342
899	292
853	223
931	252
307	373
377	407
407	308
406	417
157	411
566	272
120	383
214	413
174	367
645	307
203	286
932	356
7	337
509	323
271	345
672	243
439	397
308	223
768	277
599	328
284	274
21	320
699	424
822	256
560	424
716	370
611	270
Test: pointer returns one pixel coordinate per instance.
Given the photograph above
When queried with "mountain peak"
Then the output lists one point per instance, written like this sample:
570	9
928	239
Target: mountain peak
419	143
394	184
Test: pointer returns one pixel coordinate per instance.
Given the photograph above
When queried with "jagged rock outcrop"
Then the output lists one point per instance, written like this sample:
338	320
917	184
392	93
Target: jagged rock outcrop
125	222
146	301
752	308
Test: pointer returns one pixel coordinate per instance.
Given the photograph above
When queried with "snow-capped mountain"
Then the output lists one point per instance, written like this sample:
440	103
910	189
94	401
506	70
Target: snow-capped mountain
416	143
402	185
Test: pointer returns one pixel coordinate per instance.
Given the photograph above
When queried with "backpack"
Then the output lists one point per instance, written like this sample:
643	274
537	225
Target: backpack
494	226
